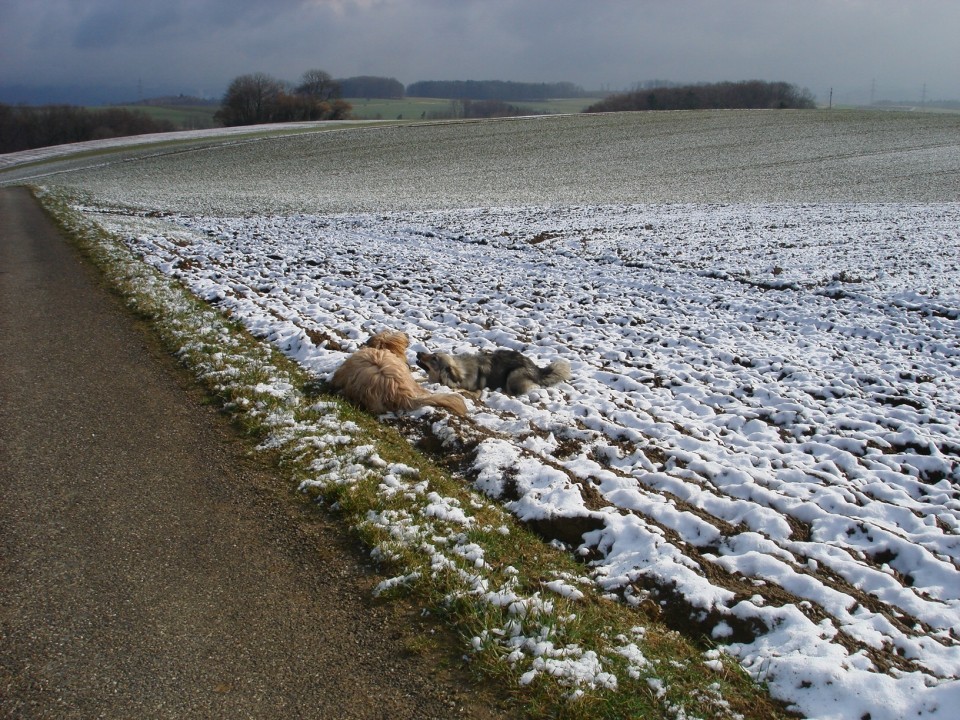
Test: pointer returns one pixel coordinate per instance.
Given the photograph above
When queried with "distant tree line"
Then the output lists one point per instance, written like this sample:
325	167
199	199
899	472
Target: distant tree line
260	98
494	90
367	86
26	128
750	94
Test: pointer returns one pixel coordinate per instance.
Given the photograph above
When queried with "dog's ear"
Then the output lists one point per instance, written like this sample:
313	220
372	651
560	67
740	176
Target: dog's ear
395	342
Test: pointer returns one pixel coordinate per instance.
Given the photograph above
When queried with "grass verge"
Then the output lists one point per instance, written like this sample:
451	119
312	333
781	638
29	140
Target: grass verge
527	614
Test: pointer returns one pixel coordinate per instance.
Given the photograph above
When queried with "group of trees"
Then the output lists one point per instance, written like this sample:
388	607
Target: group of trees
260	98
24	128
751	94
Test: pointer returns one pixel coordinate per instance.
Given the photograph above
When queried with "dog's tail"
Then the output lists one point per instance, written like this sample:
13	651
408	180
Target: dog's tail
448	401
557	371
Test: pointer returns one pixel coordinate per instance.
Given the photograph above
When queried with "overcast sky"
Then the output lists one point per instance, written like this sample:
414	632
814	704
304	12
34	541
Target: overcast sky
890	49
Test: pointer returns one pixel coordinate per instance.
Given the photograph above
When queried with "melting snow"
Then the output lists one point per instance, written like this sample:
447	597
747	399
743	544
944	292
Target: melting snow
762	425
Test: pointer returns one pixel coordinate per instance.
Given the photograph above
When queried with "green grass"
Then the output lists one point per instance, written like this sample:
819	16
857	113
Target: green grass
405	109
561	106
183	117
348	460
200	117
421	108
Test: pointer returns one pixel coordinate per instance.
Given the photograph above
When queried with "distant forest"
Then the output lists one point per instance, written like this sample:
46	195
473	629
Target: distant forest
751	94
368	86
24	128
494	90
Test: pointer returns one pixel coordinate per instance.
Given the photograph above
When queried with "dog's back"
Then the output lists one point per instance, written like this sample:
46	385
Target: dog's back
522	374
500	365
516	373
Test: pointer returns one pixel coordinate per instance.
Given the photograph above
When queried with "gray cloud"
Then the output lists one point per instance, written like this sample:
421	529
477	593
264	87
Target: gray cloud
888	47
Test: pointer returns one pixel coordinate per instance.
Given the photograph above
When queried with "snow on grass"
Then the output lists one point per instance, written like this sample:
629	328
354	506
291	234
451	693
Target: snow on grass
719	156
760	436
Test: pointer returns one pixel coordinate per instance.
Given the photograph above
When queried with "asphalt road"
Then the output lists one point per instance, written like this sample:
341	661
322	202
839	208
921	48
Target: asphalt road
150	567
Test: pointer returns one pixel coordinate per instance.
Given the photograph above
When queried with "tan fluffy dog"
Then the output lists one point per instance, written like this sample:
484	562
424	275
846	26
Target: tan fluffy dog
377	377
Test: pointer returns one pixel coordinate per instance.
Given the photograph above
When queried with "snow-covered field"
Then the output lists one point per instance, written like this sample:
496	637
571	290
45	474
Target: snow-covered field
763	425
761	435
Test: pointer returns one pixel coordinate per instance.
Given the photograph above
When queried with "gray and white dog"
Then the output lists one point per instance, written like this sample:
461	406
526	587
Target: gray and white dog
494	369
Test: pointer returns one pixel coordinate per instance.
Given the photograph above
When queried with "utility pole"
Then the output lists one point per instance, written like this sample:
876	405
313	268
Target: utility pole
830	106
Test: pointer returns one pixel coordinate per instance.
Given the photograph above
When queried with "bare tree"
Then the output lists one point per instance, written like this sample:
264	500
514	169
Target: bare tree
259	98
319	86
251	99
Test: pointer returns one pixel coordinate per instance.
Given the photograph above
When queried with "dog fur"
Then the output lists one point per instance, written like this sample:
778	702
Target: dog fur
377	377
507	369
